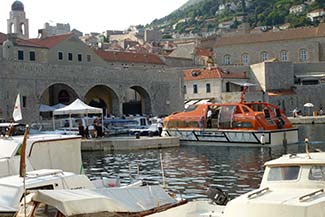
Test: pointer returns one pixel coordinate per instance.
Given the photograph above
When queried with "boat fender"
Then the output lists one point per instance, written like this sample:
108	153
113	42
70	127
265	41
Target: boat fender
217	196
262	139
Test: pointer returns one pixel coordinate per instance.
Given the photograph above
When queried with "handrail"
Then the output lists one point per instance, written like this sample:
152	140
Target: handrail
258	192
302	198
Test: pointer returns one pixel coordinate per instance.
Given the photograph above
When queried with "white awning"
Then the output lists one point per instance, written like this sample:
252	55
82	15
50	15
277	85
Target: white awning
77	107
243	84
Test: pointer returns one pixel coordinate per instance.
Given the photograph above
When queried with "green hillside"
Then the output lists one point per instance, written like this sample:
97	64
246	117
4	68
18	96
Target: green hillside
205	15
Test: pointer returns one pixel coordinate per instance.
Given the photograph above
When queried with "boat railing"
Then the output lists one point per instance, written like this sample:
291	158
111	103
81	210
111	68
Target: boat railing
36	174
310	195
258	193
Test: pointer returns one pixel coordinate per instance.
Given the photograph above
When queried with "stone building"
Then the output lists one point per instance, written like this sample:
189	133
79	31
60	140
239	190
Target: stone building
292	45
59	69
213	84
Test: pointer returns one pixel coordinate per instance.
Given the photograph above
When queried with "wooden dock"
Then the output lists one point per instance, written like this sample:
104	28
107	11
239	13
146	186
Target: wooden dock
128	143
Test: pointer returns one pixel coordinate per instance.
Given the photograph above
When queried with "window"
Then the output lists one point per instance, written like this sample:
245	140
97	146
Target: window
60	55
88	58
283	173
70	57
284	56
194	88
208	88
79	57
24	101
264	56
20	55
303	55
227	59
317	173
228	87
185	90
245	59
32	56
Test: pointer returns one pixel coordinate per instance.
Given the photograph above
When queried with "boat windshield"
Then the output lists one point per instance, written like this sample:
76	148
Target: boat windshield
283	173
317	173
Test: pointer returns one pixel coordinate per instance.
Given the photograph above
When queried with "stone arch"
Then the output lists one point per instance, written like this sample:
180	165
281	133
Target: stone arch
11	28
104	97
58	93
22	28
137	101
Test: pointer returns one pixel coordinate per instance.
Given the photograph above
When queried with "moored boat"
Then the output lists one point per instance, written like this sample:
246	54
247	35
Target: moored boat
292	185
237	124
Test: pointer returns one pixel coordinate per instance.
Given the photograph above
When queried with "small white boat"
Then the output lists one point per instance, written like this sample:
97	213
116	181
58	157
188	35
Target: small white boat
12	188
134	201
292	186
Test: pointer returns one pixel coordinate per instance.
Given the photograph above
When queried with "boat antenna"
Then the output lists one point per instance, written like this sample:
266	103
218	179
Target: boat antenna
162	170
307	147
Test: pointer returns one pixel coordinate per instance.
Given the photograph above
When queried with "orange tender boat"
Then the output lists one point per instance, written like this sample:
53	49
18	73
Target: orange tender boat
242	123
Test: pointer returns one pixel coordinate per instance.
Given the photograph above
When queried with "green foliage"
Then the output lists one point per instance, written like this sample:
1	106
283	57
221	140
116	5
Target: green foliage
257	13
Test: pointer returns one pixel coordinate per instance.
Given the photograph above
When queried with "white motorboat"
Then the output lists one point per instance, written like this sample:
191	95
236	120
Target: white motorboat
12	187
43	151
292	185
135	201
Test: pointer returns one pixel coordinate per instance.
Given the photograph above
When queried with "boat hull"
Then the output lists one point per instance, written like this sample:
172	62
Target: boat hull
234	137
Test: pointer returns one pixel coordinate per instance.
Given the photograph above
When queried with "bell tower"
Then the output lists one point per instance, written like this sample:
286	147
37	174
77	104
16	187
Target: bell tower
17	22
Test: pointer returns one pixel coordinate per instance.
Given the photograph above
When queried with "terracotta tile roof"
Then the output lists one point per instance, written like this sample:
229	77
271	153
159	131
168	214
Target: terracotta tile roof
281	92
113	56
203	52
28	43
19	41
3	37
213	73
51	41
290	34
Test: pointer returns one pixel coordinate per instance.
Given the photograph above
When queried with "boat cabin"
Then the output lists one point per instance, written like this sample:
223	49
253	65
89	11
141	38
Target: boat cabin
292	185
12	188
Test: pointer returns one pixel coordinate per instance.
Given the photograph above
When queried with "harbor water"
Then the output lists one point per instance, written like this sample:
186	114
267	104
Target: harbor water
190	170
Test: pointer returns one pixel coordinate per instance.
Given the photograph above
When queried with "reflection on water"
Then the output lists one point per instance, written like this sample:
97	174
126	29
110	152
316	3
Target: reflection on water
190	170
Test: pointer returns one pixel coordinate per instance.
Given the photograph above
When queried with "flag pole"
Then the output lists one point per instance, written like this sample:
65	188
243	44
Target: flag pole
22	168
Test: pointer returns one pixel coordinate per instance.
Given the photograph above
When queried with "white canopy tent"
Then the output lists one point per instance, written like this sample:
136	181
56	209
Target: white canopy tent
77	107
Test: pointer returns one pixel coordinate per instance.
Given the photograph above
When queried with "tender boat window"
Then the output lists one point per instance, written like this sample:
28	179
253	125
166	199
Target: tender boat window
191	108
284	173
317	173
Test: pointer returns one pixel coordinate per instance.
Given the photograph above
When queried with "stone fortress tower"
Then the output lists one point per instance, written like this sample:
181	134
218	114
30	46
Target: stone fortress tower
17	23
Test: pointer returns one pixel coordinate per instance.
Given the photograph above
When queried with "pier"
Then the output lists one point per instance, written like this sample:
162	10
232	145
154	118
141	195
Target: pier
128	143
308	120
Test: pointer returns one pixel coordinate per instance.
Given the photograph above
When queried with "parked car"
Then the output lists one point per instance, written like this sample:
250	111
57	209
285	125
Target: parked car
152	130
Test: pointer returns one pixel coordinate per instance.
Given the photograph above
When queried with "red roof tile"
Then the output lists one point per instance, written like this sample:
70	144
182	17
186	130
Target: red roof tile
51	41
203	52
290	34
19	41
213	73
3	37
114	56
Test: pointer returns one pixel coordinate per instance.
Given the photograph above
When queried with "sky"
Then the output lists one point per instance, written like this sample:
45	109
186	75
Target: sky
90	16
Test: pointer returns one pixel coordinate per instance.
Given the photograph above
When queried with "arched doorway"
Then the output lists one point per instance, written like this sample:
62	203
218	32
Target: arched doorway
137	101
103	97
58	93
